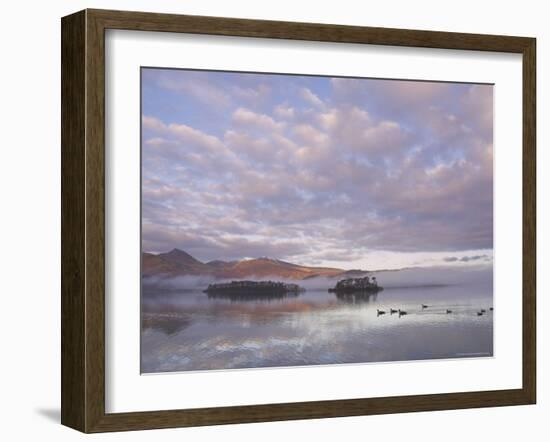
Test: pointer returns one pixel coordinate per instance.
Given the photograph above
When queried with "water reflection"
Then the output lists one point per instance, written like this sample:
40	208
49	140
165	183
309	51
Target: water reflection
357	297
252	297
169	324
192	330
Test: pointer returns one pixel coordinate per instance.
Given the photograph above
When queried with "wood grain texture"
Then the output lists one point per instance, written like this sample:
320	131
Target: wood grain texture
83	220
145	21
73	129
95	221
529	220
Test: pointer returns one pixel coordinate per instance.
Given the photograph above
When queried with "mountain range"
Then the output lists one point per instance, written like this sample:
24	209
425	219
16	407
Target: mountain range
179	263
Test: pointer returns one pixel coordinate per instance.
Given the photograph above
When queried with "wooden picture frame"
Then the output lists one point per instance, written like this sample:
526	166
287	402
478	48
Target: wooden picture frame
83	220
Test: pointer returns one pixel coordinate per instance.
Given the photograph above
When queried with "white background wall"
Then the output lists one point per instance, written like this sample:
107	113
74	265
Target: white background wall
30	216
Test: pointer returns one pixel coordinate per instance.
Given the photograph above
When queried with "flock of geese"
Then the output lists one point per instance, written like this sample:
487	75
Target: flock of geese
400	312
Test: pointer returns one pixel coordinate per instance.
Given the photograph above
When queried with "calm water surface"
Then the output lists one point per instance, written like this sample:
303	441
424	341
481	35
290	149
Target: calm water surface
190	330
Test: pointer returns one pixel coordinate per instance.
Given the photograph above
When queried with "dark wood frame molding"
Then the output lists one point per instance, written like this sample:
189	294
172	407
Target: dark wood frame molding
83	220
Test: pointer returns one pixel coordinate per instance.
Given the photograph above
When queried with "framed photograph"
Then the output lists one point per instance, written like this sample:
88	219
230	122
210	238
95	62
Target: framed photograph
271	220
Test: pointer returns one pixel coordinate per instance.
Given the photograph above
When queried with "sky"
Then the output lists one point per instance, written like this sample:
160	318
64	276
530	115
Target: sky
324	171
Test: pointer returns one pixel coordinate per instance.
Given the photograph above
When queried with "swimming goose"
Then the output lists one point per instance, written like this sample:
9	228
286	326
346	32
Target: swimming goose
424	306
392	311
449	311
380	312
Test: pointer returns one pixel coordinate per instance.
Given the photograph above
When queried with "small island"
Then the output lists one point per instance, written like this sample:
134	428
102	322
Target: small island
356	285
254	288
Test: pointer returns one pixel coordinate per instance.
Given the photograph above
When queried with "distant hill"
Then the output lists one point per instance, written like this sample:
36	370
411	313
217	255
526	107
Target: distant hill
174	263
179	263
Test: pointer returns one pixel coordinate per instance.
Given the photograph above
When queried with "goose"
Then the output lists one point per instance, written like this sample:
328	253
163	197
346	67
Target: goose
380	312
480	313
424	306
448	311
392	311
483	310
491	309
402	312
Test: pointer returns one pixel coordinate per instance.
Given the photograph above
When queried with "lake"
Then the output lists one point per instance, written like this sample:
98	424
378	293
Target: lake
187	329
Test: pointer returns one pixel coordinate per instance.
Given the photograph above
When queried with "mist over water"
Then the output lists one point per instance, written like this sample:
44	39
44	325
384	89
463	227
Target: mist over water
427	276
186	329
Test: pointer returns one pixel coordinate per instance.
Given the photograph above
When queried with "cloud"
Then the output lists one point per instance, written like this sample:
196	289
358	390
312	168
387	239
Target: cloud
285	112
466	258
156	141
392	94
478	103
153	123
310	97
246	117
195	85
182	133
376	166
252	94
311	136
